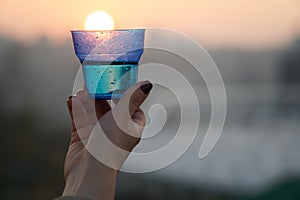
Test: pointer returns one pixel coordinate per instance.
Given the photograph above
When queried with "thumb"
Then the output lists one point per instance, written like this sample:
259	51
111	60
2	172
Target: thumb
134	97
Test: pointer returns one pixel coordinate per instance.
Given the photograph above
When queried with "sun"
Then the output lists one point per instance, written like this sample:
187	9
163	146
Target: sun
99	20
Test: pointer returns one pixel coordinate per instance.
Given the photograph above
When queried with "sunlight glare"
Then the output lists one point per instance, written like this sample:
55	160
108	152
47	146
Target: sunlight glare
99	20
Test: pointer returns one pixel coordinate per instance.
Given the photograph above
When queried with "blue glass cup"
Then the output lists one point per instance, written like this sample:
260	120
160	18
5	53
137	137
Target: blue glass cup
109	59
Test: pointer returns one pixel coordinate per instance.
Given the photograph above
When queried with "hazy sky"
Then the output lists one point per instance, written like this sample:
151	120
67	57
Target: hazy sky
244	23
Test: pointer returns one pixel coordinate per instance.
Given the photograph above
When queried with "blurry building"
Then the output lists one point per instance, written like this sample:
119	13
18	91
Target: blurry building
289	96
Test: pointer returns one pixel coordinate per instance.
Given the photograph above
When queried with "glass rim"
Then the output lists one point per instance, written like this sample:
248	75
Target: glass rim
118	30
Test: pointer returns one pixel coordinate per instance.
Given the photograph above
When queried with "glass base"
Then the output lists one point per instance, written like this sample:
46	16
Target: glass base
105	96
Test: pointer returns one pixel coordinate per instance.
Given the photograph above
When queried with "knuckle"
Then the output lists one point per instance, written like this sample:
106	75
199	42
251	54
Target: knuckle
137	98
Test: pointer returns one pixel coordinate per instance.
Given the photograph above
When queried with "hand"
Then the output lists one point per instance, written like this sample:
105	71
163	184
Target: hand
95	127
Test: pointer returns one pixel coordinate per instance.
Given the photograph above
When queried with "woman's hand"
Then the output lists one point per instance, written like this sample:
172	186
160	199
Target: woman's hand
102	133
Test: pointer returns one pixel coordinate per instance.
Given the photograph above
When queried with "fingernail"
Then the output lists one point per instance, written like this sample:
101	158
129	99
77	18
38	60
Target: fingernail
146	87
69	97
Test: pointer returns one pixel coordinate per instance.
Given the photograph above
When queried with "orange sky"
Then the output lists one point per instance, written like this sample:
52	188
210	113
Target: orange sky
241	23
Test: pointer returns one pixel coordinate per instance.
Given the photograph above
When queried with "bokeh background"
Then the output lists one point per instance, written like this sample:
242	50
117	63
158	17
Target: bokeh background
256	45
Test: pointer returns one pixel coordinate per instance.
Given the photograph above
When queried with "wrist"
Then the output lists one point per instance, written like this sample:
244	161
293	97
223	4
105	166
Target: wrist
93	180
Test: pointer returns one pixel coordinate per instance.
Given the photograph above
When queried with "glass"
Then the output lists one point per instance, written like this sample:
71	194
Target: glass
109	60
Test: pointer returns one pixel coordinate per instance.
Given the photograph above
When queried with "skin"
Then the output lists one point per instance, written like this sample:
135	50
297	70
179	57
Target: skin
85	176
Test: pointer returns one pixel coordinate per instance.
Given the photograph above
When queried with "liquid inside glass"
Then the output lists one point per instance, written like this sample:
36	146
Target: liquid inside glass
109	81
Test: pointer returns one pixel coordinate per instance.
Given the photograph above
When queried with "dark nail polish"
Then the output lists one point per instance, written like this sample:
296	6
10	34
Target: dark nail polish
146	87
